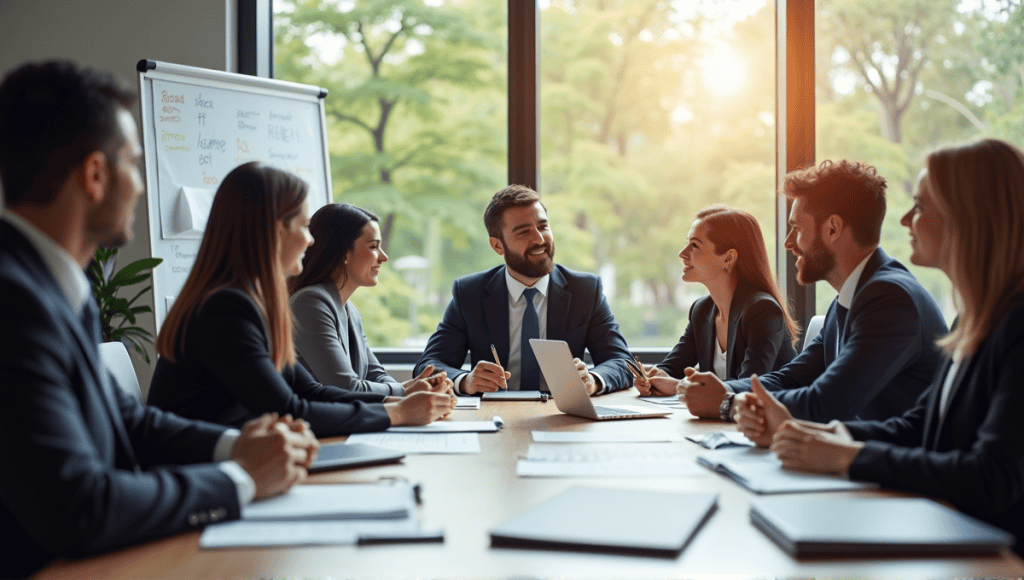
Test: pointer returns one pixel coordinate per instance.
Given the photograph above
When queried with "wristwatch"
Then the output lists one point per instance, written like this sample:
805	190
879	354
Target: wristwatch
723	410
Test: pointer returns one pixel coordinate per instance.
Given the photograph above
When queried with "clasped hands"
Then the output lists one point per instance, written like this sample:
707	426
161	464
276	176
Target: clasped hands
276	452
428	397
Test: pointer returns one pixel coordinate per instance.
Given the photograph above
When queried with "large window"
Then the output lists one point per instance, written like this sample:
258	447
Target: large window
896	80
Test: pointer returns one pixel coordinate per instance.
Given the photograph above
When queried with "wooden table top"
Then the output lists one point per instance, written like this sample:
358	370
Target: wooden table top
466	495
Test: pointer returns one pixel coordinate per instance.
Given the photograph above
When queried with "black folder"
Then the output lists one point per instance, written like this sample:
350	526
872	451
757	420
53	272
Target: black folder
344	456
873	526
625	521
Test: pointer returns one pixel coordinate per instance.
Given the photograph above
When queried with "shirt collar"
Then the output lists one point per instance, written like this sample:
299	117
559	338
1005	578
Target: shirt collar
516	288
850	285
69	274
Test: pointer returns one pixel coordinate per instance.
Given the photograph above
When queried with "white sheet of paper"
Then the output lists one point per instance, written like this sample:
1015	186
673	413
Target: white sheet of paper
669	401
604	437
586	453
448	427
242	534
421	442
612	468
333	502
467	403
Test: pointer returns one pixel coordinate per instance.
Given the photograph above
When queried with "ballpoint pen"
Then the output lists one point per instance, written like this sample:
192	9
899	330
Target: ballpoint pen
497	361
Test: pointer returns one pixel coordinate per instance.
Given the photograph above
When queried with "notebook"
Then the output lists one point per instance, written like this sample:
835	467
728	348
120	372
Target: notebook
627	521
760	471
867	526
343	456
566	386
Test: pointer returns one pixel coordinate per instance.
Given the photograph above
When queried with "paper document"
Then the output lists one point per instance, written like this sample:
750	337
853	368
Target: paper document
760	471
611	460
671	401
243	534
421	442
448	427
604	437
467	403
335	502
720	439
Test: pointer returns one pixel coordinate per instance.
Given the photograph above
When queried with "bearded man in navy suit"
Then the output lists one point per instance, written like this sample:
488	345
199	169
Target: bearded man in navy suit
528	297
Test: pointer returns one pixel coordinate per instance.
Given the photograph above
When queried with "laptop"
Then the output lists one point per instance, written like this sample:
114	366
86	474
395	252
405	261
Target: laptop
566	386
873	526
344	456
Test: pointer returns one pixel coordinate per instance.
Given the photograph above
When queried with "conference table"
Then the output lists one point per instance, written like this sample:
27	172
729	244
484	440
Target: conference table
468	494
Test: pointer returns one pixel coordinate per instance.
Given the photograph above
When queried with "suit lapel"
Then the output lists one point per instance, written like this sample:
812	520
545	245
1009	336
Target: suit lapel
739	297
495	302
559	301
355	341
931	417
961	372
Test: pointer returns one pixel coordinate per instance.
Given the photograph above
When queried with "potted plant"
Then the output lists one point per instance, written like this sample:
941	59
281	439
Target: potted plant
117	314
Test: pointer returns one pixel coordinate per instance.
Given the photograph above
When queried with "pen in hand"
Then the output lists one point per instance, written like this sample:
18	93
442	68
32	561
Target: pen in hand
497	361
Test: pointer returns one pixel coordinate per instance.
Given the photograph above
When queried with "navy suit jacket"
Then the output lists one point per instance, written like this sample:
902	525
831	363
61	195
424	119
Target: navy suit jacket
86	468
477	317
758	342
887	359
972	457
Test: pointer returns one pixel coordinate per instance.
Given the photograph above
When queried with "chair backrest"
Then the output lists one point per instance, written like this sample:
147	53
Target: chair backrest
115	358
813	329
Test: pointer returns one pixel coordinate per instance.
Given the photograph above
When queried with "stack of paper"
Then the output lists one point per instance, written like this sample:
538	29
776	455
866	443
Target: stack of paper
760	471
421	442
612	460
319	515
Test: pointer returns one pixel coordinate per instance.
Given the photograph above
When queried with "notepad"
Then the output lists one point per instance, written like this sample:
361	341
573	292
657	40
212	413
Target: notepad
335	502
627	521
605	436
610	460
862	526
448	427
421	442
760	471
467	403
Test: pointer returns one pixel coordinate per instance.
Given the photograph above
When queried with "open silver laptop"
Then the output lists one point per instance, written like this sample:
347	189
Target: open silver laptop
567	387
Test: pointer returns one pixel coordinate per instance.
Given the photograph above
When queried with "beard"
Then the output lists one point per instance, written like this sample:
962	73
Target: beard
525	266
817	263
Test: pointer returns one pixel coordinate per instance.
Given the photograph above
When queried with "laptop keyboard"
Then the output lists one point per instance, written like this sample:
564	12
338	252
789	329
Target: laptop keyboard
601	410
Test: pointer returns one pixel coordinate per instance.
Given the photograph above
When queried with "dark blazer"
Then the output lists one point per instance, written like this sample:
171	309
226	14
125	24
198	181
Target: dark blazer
477	317
888	355
758	342
86	468
225	374
974	456
331	344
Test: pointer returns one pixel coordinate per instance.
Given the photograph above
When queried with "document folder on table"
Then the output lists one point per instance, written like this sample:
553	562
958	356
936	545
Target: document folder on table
758	470
645	523
873	526
342	456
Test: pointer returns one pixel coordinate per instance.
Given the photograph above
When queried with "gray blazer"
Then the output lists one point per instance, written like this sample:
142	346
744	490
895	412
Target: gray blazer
331	344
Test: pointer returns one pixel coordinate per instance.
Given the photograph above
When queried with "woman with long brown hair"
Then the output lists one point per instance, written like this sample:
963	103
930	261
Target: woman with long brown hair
226	350
743	326
962	442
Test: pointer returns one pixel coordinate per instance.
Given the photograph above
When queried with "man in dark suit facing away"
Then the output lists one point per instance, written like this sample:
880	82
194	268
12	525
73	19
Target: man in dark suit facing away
87	468
528	297
876	352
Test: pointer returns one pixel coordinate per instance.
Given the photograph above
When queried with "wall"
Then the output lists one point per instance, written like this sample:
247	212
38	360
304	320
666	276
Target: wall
114	35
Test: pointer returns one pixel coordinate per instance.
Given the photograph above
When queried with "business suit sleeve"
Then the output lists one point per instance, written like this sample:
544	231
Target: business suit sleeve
316	340
800	372
684	353
763	327
59	480
447	347
982	468
884	337
607	346
229	340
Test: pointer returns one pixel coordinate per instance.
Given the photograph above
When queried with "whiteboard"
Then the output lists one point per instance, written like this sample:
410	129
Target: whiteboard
198	125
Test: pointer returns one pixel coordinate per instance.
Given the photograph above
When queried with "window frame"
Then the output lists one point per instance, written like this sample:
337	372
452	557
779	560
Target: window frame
794	111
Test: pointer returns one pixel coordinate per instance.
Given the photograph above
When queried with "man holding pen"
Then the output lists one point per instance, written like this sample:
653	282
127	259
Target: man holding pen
527	297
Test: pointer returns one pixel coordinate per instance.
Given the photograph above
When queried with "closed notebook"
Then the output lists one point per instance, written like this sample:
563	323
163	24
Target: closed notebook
342	456
865	526
609	520
760	471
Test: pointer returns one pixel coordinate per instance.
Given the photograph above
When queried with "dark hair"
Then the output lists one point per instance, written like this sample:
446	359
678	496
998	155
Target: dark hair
335	228
53	115
729	228
240	249
853	191
509	197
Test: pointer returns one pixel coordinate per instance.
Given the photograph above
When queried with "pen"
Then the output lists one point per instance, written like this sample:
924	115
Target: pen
497	361
640	367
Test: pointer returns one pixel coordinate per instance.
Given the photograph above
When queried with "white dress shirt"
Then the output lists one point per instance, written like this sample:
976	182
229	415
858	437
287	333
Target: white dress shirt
76	289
